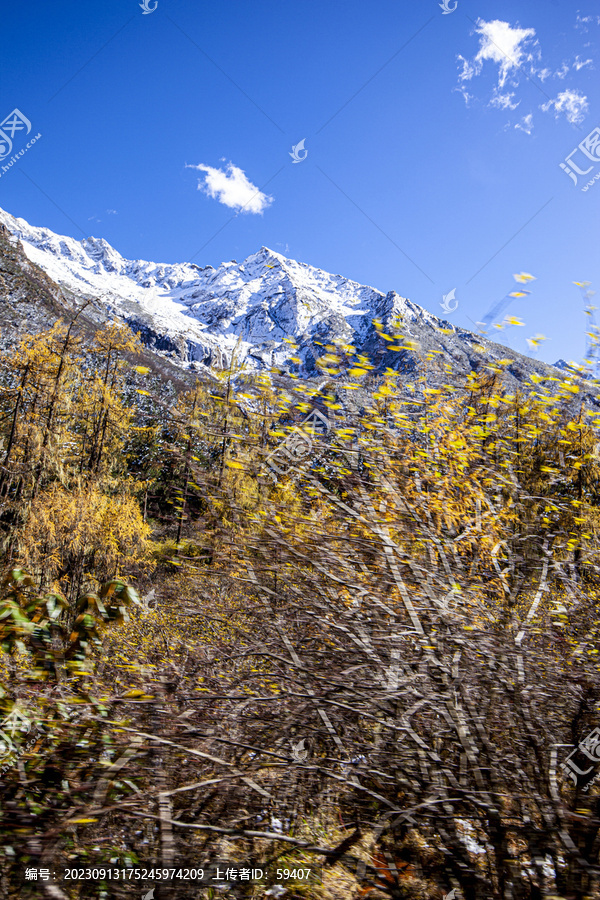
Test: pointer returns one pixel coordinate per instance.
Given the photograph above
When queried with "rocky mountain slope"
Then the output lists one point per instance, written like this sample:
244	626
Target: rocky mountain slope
198	316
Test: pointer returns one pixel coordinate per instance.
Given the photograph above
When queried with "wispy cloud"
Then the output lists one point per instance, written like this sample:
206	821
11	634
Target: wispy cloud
232	188
501	44
504	101
577	64
526	124
110	212
515	50
466	95
583	22
573	105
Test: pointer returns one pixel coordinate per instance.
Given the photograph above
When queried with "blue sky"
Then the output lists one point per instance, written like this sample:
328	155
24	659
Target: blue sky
432	150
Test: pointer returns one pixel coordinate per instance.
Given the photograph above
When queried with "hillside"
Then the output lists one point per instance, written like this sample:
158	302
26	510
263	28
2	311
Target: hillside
359	657
196	317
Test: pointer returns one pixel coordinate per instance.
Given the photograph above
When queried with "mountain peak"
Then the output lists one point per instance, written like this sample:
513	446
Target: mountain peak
266	256
202	314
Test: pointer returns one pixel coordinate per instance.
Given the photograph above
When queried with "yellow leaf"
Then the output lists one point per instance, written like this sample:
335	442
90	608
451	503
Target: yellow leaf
524	277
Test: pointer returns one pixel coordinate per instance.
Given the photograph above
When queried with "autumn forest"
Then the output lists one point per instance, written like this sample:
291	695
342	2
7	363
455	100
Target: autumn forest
374	661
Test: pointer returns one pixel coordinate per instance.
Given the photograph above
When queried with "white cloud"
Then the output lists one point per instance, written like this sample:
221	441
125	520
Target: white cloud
526	124
565	68
112	212
466	95
501	44
513	50
573	104
231	187
469	69
503	101
583	21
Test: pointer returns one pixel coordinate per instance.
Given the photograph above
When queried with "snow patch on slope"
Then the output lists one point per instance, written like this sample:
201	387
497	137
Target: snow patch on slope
202	314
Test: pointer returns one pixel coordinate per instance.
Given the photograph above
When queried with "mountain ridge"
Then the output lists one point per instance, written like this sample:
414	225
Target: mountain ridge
271	310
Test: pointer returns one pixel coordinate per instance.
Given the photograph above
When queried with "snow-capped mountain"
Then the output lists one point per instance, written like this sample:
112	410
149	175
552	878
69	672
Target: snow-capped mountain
200	315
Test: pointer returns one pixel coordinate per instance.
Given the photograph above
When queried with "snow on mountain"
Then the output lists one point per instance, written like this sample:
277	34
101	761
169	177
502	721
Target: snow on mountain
204	312
199	315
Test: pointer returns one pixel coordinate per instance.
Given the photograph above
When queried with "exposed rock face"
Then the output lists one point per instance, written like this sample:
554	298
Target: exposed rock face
29	300
200	315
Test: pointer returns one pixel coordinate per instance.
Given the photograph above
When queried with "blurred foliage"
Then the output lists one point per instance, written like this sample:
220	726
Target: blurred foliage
373	657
